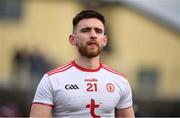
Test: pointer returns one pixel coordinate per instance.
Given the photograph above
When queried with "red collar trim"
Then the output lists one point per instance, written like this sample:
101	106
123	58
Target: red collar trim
86	69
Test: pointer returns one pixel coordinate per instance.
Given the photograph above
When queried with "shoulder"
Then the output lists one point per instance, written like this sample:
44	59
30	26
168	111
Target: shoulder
62	68
113	71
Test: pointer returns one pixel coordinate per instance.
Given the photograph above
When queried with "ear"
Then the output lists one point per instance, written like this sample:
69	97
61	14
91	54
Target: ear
105	40
72	40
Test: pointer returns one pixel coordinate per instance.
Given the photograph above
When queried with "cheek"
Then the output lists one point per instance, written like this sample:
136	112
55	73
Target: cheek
102	42
82	39
82	36
81	42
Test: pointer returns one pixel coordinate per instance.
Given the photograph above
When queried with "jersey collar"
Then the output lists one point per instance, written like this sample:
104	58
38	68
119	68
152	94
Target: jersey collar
86	69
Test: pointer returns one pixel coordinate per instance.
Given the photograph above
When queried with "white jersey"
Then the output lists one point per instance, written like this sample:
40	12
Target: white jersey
74	91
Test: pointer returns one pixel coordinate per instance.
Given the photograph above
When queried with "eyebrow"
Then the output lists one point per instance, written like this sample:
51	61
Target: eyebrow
89	28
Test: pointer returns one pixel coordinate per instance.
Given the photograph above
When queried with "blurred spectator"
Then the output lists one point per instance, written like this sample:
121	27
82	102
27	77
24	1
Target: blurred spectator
29	67
38	65
10	109
20	60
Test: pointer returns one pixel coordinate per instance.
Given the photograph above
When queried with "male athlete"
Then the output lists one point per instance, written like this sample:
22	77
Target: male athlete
84	87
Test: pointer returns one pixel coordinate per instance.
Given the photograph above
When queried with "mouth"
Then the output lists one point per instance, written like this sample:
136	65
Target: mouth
92	43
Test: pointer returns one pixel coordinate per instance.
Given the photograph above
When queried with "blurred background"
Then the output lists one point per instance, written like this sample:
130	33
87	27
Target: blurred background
144	44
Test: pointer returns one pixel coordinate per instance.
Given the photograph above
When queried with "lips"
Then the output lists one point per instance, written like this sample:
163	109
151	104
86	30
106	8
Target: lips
92	43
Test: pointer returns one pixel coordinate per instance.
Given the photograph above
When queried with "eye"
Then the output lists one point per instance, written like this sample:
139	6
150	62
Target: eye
98	30
84	30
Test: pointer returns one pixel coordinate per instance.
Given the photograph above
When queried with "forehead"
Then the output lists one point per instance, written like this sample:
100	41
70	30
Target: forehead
90	22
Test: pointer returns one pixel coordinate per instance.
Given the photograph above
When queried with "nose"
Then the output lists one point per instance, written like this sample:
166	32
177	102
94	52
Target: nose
93	34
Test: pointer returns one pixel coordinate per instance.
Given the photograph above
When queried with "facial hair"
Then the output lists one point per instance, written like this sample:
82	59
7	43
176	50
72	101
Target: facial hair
84	51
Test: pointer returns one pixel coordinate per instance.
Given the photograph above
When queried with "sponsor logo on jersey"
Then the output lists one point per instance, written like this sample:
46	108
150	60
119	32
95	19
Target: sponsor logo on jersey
92	106
110	87
71	86
91	80
91	84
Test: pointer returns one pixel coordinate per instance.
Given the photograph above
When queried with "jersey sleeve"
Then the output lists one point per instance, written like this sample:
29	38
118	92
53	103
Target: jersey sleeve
44	92
125	98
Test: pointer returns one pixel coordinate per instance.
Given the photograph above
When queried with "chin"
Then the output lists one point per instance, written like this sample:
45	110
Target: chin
92	55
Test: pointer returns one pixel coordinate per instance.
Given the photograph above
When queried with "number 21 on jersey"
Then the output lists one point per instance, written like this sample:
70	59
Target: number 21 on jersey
91	87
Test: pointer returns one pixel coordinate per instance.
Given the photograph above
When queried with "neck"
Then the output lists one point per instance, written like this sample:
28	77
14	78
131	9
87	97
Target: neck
89	63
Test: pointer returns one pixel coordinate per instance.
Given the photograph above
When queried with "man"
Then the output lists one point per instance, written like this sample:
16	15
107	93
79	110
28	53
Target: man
84	87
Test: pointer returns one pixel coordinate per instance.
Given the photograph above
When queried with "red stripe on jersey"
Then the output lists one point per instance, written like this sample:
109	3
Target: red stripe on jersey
61	68
113	71
46	104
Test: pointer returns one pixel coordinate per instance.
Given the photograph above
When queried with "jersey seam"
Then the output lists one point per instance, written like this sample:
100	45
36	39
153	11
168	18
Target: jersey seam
126	83
51	87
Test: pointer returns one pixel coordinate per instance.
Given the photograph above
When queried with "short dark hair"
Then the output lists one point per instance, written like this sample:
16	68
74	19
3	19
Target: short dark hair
87	14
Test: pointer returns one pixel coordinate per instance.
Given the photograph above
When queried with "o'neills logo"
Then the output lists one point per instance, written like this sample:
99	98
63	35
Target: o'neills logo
110	87
91	80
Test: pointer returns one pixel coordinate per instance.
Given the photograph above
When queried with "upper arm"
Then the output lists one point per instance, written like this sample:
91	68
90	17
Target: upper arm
40	110
126	112
44	92
125	100
124	108
43	99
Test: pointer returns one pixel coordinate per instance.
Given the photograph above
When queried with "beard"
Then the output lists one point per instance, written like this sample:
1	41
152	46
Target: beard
86	51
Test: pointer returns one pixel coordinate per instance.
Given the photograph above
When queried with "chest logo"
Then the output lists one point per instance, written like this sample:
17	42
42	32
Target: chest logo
71	86
110	87
92	106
